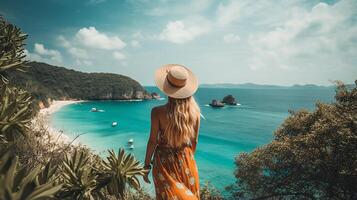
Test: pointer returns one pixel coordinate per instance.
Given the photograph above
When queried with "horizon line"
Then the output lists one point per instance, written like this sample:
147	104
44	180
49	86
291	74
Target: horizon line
261	84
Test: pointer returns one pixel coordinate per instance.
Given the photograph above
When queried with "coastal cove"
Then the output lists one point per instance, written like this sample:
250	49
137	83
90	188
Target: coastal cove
224	132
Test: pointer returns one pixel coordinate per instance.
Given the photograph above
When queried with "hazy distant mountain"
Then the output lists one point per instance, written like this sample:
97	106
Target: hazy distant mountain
258	86
47	81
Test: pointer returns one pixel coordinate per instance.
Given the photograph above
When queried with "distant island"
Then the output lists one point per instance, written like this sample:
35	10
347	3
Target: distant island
261	86
47	82
229	100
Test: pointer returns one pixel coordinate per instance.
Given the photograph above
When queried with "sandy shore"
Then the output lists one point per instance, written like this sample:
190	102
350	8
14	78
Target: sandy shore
44	116
57	105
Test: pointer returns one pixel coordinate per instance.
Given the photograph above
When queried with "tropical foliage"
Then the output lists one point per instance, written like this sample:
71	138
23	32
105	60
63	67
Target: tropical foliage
22	184
15	112
12	50
121	170
15	109
79	177
313	155
32	165
208	192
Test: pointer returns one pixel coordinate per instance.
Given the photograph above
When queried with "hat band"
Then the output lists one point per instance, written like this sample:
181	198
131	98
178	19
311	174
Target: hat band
174	81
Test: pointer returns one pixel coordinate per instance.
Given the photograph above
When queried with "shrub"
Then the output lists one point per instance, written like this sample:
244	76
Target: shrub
22	184
313	155
208	192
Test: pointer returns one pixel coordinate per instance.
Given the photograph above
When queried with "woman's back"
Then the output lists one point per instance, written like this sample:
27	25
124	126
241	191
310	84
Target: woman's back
173	136
164	121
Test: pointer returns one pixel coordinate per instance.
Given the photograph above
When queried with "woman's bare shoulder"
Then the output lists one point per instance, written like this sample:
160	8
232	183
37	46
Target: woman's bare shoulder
158	110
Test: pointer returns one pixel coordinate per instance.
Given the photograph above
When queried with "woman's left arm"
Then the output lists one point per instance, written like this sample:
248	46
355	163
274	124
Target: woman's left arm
197	128
152	143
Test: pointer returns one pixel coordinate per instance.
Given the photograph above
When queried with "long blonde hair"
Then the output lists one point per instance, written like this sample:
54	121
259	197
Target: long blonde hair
182	115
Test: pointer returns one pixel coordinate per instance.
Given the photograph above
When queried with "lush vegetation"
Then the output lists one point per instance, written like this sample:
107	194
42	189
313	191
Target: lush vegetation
46	81
33	165
313	155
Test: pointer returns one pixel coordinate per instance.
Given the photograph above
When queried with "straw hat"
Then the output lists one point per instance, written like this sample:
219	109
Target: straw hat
176	81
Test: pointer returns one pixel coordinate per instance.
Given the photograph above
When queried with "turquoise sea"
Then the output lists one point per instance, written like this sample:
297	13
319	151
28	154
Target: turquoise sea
224	133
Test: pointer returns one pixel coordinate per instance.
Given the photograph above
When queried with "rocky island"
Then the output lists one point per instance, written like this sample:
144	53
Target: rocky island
155	95
216	104
230	100
227	100
47	82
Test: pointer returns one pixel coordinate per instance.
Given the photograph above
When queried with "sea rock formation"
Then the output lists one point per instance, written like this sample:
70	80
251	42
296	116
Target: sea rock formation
155	95
216	104
229	100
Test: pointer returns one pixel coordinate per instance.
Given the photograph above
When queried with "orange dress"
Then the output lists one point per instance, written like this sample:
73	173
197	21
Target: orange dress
175	173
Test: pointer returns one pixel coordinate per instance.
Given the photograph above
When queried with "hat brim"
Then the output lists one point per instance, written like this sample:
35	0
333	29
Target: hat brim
175	92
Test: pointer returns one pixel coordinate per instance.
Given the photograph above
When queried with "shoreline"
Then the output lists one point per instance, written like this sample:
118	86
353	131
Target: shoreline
45	114
56	105
44	117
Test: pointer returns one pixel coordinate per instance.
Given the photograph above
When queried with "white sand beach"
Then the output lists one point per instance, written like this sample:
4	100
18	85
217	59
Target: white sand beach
45	114
57	105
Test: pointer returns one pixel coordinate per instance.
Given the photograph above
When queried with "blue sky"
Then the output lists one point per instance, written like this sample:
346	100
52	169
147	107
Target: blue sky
233	41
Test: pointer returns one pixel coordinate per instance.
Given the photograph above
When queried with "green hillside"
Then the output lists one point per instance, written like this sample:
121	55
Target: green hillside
46	81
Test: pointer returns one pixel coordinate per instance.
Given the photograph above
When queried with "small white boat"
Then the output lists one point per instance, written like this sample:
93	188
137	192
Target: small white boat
131	141
94	110
131	146
114	124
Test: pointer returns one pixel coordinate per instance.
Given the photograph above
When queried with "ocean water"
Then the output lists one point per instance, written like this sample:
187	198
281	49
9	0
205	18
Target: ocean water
224	133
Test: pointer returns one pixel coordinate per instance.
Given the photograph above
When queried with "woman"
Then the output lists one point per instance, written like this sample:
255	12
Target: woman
173	136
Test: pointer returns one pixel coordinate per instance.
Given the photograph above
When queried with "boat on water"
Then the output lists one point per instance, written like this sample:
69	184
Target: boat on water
131	141
131	146
96	110
216	104
114	124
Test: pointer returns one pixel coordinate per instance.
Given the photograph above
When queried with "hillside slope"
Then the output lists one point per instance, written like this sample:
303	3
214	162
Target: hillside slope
46	81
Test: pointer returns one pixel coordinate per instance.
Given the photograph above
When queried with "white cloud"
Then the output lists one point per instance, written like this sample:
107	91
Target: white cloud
135	43
90	37
228	13
178	32
319	38
118	55
42	54
88	46
63	41
78	52
231	38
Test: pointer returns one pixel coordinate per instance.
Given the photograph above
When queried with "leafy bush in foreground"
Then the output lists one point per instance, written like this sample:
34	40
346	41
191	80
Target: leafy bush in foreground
80	179
15	112
121	170
313	155
12	50
207	192
14	103
22	184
